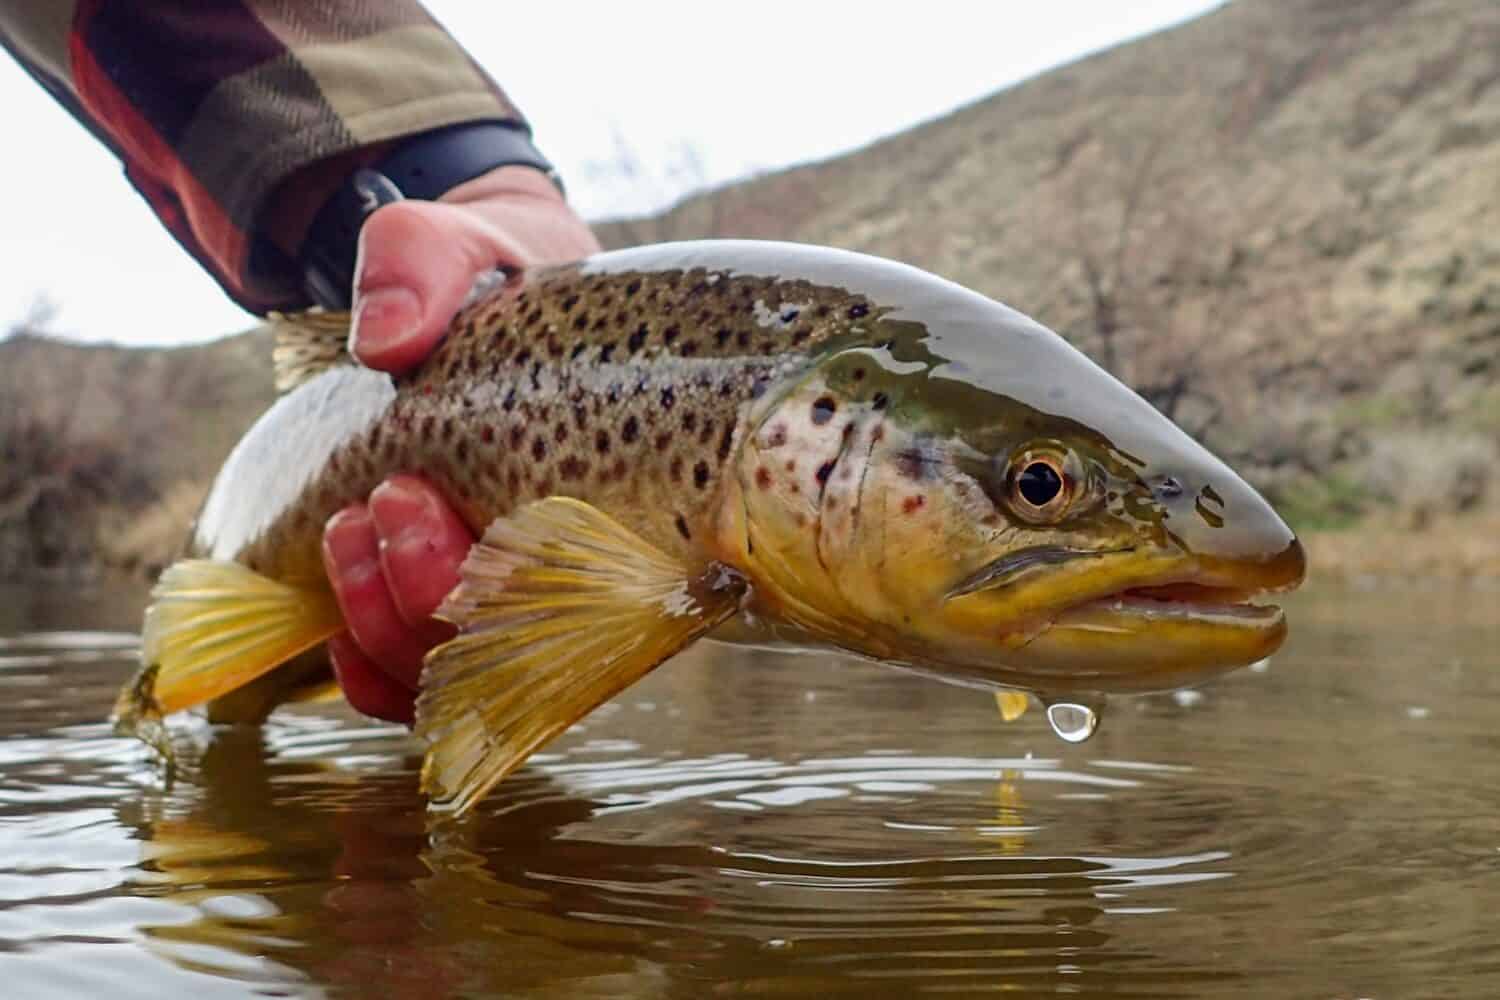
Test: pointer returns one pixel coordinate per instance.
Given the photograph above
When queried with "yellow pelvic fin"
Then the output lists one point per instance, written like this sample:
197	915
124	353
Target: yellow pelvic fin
1012	704
308	344
214	627
560	607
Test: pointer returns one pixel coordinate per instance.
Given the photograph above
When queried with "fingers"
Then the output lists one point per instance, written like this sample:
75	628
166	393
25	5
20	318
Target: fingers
418	260
391	563
367	687
422	544
351	556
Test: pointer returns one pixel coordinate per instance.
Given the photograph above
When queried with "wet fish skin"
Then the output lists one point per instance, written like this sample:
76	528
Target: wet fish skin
807	444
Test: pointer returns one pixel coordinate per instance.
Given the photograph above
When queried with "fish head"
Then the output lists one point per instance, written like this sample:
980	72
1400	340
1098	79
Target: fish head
987	503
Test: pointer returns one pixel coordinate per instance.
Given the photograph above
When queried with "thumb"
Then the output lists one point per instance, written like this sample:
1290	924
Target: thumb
417	262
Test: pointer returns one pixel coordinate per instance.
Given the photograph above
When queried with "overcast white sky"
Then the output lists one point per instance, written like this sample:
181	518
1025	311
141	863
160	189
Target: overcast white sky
750	87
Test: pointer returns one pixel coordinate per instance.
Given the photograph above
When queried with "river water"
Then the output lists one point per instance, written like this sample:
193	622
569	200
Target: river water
751	824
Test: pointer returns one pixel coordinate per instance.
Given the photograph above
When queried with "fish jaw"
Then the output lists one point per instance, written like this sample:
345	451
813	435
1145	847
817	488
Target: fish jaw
1133	621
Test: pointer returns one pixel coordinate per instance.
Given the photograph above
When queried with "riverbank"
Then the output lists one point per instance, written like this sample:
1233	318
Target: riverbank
1458	548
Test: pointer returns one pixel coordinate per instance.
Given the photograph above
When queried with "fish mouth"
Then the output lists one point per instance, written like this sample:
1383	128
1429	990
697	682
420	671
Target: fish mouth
1181	601
1135	620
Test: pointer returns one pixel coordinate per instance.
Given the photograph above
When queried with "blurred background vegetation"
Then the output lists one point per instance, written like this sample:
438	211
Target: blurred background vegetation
1279	222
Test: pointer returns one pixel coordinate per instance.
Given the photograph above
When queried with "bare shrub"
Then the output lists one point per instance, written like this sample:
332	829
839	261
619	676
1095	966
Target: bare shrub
1426	473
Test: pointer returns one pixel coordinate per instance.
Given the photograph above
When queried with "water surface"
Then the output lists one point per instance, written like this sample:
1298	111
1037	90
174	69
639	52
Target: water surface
748	824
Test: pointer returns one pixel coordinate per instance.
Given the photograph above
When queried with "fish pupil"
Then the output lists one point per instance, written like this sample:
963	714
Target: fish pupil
1039	484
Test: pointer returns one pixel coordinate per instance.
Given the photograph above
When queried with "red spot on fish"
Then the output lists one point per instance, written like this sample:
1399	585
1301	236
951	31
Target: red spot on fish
791	465
488	434
913	503
778	436
763	478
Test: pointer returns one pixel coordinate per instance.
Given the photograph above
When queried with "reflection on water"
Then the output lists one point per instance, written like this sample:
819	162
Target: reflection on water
743	823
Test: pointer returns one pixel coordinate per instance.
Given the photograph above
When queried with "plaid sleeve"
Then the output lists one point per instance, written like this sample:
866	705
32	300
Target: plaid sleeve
212	104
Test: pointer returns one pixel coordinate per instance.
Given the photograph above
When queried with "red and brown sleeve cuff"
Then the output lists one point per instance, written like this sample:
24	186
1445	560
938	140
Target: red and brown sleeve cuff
215	105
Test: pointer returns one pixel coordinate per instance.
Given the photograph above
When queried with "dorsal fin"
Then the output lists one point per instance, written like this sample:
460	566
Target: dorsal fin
308	344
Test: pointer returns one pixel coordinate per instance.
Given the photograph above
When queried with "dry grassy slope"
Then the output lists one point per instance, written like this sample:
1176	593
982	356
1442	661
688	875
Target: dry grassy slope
1292	206
105	450
1316	191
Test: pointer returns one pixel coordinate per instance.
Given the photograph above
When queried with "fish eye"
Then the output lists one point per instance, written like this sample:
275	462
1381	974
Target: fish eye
1040	486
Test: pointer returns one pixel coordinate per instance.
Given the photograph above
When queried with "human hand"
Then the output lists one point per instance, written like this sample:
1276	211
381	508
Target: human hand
392	560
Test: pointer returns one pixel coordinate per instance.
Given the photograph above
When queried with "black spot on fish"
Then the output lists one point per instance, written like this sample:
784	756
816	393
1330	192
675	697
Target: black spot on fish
824	471
700	475
880	400
632	288
682	528
638	339
569	302
631	429
668	398
670	334
689	349
539	448
561	433
859	311
726	441
606	352
601	442
573	467
509	402
790	316
823	409
689	421
915	464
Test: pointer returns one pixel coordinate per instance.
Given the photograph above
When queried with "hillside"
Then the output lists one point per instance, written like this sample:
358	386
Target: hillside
105	451
1280	222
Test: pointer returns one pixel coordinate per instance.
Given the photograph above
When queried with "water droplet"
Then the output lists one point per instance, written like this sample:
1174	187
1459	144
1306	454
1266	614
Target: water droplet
1187	697
1073	721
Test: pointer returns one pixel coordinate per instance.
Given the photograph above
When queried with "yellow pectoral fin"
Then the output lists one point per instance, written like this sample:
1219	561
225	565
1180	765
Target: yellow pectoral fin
214	627
1012	704
560	607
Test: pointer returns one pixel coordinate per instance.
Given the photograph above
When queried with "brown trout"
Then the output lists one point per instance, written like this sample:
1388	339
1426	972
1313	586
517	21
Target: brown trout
766	442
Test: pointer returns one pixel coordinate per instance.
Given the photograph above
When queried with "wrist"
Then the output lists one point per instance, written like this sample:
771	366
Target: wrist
511	181
456	164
